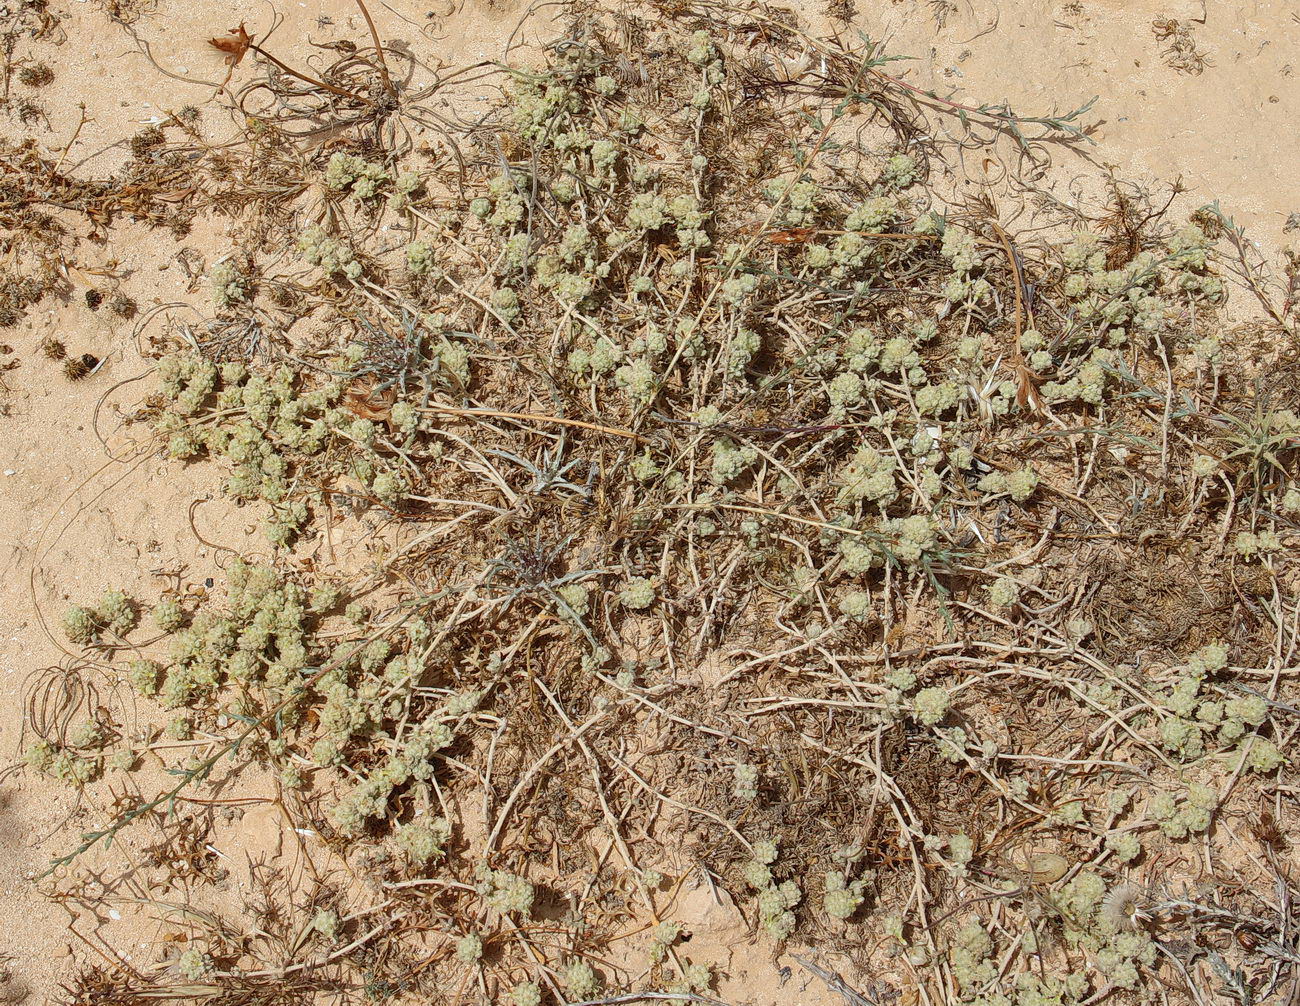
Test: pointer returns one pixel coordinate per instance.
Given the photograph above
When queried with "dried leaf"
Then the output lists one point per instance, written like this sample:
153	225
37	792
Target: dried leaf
1027	396
361	400
1047	867
796	235
234	48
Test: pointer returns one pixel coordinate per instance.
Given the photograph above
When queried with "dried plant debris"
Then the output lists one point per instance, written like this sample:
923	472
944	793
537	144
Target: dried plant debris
1180	51
729	510
75	368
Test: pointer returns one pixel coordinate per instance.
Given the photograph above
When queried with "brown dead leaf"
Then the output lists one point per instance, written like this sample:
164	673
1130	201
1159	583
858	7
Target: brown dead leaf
234	48
1047	867
1027	396
794	236
361	400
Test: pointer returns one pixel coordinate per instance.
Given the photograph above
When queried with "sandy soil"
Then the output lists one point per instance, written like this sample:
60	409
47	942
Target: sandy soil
72	521
1226	129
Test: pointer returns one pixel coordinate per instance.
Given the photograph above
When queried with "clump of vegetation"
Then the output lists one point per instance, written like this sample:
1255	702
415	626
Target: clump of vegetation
686	409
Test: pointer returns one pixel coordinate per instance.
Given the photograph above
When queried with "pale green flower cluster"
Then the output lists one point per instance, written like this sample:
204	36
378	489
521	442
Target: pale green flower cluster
580	979
1250	544
452	358
1087	383
638	593
115	615
80	625
933	399
730	460
1019	485
746	782
841	898
1189	815
775	901
266	423
326	923
61	763
638	379
421	258
228	284
844	392
86	734
701	51
912	537
801	202
875	213
577	596
931	705
187	379
900	171
690	220
647	211
1197	717
526	994
144	676
405	186
970	956
1032	989
168	614
469	948
587	365
506	892
859	556
1003	592
262	637
961	850
665	935
959	248
412	761
695	978
350	173
423	843
193	964
1209	658
1119	960
869	475
1126	845
331	254
855	604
